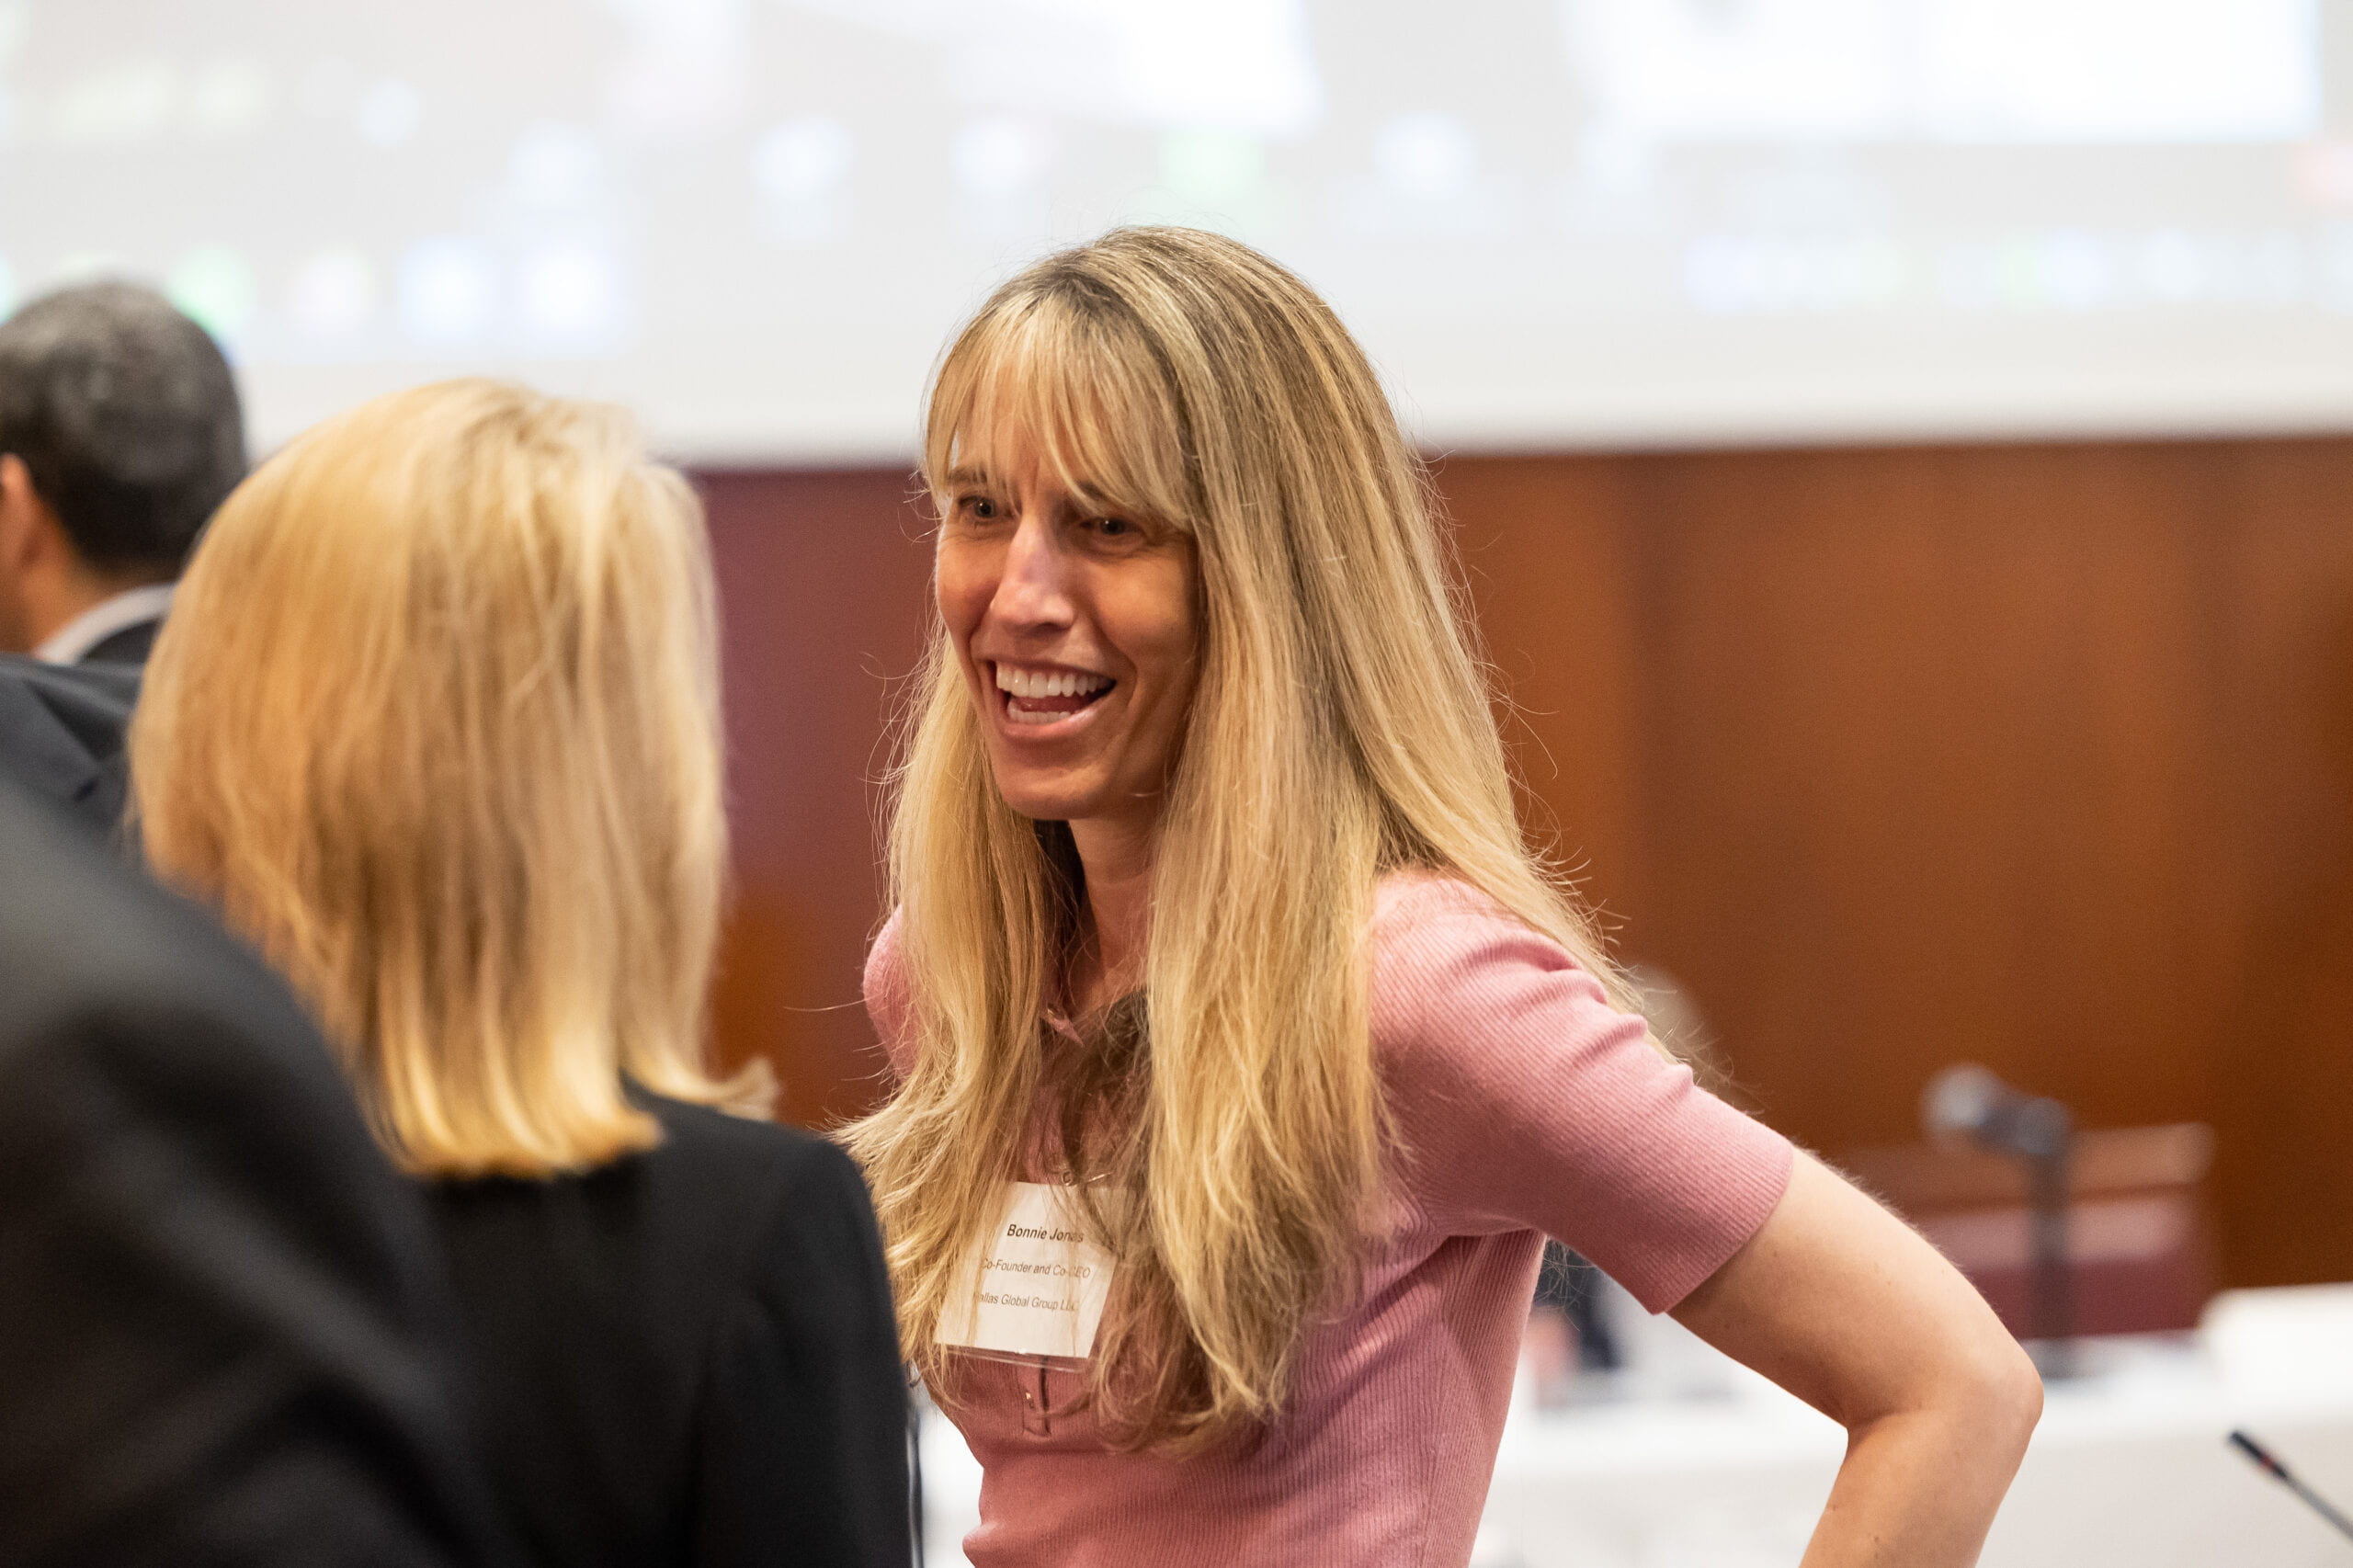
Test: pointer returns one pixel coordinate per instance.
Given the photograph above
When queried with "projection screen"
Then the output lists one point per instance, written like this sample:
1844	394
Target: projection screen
1554	222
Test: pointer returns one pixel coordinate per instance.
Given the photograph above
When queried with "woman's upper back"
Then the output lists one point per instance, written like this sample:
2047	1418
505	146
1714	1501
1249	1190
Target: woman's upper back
686	1356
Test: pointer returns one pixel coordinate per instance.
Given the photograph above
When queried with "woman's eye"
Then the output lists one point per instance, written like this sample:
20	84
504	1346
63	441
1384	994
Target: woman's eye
1114	528
979	507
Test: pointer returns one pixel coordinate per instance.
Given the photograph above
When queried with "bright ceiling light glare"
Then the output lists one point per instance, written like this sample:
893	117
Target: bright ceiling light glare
2117	71
88	266
215	285
230	97
996	158
569	294
2171	268
448	292
333	295
2076	271
1427	156
803	160
125	102
1212	169
388	113
556	165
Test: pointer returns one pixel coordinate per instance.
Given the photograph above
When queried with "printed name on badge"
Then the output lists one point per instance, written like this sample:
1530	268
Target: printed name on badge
1035	1285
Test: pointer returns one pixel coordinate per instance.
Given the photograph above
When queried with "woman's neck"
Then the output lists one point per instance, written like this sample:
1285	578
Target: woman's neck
1118	858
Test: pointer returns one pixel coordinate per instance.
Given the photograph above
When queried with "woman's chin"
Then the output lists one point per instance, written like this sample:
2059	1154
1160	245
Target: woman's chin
1054	800
1047	808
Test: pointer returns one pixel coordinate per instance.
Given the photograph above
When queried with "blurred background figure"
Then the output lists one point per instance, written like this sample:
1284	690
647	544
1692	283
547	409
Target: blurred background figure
227	1336
61	732
436	726
120	433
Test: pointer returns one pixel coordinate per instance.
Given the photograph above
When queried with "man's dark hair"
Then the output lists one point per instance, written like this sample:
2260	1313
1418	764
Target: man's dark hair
126	414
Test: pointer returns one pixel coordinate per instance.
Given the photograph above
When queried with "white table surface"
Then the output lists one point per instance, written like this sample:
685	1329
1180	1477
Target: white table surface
1699	1461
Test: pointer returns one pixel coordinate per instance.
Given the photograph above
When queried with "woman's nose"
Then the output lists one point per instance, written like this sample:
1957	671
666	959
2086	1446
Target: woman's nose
1035	589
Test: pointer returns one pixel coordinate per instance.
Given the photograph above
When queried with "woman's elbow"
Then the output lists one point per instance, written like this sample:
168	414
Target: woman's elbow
1972	1383
1997	1388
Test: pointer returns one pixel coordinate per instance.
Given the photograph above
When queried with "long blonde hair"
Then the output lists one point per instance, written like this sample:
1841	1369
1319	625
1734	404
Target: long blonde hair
433	722
1341	730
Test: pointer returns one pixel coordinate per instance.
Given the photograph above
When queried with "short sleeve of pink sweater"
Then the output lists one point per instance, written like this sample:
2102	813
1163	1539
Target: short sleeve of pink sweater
1523	1100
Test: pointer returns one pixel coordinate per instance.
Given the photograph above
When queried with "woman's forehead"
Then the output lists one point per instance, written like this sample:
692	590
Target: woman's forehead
1018	434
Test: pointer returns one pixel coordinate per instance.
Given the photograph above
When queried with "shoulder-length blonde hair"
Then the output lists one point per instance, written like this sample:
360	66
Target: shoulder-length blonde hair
433	722
1341	730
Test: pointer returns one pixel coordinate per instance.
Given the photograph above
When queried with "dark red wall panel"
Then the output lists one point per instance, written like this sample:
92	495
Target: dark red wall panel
2039	755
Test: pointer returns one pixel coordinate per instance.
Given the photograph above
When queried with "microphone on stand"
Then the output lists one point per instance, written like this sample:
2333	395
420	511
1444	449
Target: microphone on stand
1967	1103
2264	1461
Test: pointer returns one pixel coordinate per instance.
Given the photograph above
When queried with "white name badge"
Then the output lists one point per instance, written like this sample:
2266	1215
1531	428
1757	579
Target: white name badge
1035	1286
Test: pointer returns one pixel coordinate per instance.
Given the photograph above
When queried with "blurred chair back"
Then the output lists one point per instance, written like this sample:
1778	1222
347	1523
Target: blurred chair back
2138	1230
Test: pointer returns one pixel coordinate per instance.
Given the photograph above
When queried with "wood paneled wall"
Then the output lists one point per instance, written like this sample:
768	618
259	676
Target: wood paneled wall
2035	755
823	582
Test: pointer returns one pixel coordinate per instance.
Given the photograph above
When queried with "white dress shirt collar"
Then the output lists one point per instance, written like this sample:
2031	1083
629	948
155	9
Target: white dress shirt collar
69	642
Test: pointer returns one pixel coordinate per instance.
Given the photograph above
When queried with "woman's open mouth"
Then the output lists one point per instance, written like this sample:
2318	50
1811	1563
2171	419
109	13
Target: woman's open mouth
1046	695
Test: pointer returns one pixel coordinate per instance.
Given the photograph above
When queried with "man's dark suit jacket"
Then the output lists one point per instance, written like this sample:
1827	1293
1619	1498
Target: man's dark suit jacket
62	731
222	1336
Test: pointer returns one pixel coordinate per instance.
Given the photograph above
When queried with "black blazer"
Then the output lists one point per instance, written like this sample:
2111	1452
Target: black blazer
687	1356
62	731
222	1336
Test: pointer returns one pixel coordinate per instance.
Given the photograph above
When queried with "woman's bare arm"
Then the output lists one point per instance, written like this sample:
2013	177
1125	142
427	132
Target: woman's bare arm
1844	1306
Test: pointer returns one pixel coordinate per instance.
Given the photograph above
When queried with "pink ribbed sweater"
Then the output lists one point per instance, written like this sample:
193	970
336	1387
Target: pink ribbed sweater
1526	1107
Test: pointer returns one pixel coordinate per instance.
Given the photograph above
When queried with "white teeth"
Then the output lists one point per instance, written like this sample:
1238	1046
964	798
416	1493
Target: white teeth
1049	683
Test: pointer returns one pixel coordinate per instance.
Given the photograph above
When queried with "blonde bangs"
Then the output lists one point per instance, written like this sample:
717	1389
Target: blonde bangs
1076	388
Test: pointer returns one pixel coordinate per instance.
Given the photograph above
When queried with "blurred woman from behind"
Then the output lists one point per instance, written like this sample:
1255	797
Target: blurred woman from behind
435	725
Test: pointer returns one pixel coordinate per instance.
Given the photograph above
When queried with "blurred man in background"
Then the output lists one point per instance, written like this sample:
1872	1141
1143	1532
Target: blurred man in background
120	433
62	731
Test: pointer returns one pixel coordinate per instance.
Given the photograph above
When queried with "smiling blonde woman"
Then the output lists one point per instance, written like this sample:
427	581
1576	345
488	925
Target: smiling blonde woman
435	724
1219	950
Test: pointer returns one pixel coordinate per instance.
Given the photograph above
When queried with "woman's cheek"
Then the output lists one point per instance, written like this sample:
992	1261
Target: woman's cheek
1157	616
962	589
